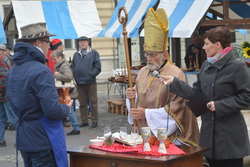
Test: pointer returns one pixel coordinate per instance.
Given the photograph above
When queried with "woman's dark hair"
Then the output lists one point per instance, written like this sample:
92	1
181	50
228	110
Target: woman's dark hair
219	34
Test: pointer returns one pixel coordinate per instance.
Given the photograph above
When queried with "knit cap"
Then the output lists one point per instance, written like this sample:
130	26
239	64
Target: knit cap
55	43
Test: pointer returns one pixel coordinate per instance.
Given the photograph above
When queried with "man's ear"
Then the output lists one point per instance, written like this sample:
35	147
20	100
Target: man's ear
37	42
167	56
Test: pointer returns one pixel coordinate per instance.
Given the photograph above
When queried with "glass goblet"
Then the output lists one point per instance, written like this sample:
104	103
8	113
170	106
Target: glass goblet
134	134
108	138
123	134
107	132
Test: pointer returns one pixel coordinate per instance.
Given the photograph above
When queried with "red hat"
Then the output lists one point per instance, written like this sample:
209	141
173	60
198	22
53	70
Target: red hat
55	43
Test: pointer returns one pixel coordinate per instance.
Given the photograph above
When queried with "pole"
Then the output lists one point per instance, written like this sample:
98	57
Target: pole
123	21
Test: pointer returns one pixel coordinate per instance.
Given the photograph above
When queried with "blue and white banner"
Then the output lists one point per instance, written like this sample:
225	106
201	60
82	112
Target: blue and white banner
66	19
136	10
184	16
2	32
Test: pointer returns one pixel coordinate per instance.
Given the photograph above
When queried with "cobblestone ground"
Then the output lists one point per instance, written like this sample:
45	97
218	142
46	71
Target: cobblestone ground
106	118
9	158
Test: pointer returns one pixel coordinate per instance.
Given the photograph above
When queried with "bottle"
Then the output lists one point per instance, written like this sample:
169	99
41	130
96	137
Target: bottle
70	61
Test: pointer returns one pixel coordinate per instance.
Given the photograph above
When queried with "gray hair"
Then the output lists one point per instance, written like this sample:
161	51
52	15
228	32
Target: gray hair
57	53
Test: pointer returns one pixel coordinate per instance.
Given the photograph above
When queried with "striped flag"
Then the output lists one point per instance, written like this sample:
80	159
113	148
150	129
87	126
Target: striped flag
2	33
66	19
136	11
184	16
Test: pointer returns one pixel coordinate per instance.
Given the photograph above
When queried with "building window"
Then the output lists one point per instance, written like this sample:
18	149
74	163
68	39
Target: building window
68	43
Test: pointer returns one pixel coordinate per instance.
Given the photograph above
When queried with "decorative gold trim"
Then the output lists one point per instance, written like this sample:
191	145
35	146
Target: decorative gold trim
187	141
158	96
141	87
172	137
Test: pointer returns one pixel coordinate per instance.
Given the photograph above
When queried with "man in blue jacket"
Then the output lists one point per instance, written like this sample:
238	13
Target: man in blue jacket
86	66
32	94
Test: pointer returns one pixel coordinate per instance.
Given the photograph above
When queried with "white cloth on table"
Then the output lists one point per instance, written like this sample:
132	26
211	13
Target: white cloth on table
156	118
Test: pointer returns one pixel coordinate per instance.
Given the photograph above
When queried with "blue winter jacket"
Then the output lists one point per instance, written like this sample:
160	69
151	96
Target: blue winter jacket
32	93
86	67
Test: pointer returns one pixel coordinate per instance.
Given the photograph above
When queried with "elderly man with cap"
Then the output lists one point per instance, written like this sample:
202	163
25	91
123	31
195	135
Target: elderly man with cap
86	66
33	96
155	105
6	112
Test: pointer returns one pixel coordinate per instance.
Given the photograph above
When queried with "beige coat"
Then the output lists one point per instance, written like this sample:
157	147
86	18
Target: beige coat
65	74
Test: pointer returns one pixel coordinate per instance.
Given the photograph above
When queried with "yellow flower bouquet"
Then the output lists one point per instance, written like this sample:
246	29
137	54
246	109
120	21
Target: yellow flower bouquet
246	53
246	49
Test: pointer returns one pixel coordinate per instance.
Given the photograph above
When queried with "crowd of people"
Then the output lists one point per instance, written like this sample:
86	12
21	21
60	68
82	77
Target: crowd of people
38	65
40	68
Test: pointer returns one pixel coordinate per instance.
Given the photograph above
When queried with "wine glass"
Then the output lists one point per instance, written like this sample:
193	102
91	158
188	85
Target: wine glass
123	134
134	134
109	140
107	132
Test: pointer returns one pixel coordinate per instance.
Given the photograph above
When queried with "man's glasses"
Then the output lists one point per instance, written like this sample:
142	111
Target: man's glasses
151	54
48	42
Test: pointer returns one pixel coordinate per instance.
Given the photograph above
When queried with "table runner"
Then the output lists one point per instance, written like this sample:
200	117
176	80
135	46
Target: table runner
117	147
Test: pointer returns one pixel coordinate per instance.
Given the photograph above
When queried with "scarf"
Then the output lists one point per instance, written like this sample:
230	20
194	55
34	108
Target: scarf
219	55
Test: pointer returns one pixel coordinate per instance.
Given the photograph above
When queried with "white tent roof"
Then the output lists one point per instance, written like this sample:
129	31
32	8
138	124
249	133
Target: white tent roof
66	19
184	15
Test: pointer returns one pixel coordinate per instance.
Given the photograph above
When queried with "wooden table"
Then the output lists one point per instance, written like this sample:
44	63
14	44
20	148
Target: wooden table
84	156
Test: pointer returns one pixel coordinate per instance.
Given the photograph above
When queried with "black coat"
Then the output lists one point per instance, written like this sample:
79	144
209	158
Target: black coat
227	83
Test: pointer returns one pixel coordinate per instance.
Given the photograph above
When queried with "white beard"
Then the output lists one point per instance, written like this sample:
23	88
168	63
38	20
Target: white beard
155	66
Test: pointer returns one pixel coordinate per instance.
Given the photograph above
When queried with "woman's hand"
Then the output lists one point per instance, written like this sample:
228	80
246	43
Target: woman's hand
130	93
167	79
211	106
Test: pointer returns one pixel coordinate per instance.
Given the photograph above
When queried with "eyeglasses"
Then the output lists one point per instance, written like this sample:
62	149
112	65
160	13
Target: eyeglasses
151	54
48	42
